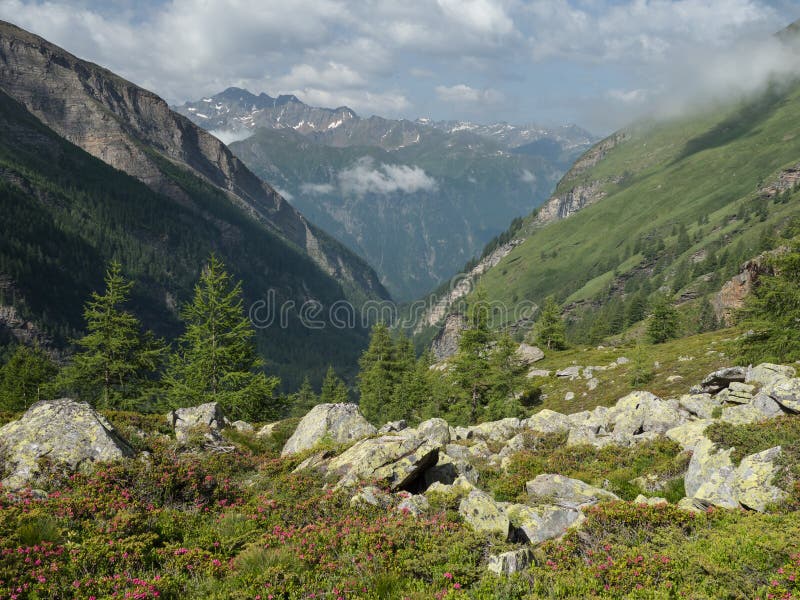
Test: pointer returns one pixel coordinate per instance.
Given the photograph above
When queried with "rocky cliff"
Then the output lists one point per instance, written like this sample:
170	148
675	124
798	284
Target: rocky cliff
135	131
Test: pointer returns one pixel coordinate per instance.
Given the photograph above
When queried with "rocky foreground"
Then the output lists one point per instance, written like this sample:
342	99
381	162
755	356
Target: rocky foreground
403	468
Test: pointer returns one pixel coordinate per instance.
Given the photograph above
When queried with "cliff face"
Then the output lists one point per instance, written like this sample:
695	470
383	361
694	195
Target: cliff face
135	131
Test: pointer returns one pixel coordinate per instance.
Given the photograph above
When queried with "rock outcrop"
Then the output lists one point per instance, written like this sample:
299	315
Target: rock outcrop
65	432
339	423
207	418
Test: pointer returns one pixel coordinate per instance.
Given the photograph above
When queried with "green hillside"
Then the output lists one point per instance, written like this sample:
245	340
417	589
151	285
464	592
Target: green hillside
698	175
65	214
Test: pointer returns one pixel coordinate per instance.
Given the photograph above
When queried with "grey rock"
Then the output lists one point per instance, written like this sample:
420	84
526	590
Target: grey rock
507	563
565	492
393	426
547	421
528	354
436	431
243	426
415	505
340	423
372	496
722	378
785	392
570	373
536	524
209	415
767	373
484	514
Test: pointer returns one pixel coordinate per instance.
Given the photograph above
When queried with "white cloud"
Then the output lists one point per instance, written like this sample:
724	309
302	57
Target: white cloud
317	188
364	177
636	96
286	194
527	177
464	94
228	136
482	16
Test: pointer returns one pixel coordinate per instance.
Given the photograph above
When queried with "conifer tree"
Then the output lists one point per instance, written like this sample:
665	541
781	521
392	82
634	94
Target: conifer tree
216	360
378	375
550	329
707	320
413	392
303	400
334	390
636	310
471	371
26	378
116	363
772	313
663	323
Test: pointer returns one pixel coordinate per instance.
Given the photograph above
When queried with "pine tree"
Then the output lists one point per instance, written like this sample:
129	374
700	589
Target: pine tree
334	390
507	372
550	329
663	323
303	400
636	310
216	359
707	320
116	364
772	313
378	375
26	378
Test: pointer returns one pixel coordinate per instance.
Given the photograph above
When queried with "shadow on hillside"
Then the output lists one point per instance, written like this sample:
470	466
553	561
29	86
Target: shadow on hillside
741	123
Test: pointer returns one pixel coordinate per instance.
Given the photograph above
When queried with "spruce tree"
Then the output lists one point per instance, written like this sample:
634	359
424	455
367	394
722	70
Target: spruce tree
116	363
772	313
303	400
707	320
216	360
334	390
663	323
26	378
636	309
378	375
550	329
471	372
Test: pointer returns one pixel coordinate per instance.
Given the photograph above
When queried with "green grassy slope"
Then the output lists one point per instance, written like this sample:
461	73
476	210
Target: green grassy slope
65	214
675	172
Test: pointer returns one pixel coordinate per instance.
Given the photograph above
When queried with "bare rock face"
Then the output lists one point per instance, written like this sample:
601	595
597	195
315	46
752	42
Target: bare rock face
731	297
208	416
339	423
135	131
445	344
66	432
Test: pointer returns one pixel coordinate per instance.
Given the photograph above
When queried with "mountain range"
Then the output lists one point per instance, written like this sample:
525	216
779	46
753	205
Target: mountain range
417	199
95	168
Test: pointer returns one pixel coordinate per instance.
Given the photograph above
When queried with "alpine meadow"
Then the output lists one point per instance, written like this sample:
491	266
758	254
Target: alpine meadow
483	299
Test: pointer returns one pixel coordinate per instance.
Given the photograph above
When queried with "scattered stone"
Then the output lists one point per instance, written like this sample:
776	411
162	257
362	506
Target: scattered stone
674	378
566	492
592	384
510	562
535	525
654	501
496	431
699	405
66	432
340	423
268	429
538	373
547	421
393	426
243	427
641	412
691	505
569	396
622	360
316	462
528	354
737	393
460	487
710	476
209	415
570	372
721	379
484	514
766	405
372	496
448	469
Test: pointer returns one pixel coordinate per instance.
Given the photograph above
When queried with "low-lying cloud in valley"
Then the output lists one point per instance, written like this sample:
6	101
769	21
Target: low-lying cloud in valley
367	177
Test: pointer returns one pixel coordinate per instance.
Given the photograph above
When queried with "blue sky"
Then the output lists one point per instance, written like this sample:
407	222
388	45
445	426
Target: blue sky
592	62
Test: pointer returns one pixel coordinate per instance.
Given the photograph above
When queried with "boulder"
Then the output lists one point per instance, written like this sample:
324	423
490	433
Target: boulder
753	485
459	488
484	514
764	404
571	373
66	432
435	431
208	415
689	434
243	427
536	524
496	431
710	476
397	460
339	423
267	430
448	469
510	562
767	373
699	405
538	373
547	421
528	354
737	393
721	379
655	501
565	492
414	505
785	392
640	412
742	414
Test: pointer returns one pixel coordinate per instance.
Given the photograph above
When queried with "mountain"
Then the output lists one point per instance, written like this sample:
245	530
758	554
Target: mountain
417	199
93	168
662	207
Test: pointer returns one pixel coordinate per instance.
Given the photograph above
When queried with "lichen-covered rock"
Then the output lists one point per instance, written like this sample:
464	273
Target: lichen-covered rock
528	354
340	423
764	404
570	373
640	412
436	431
536	524
66	432
699	405
395	459
484	514
691	505
767	373
564	491
497	431
785	392
742	414
243	427
710	476
654	501
415	505
547	421
448	469
507	563
737	393
753	481
393	426
459	488
689	434
208	416
267	430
